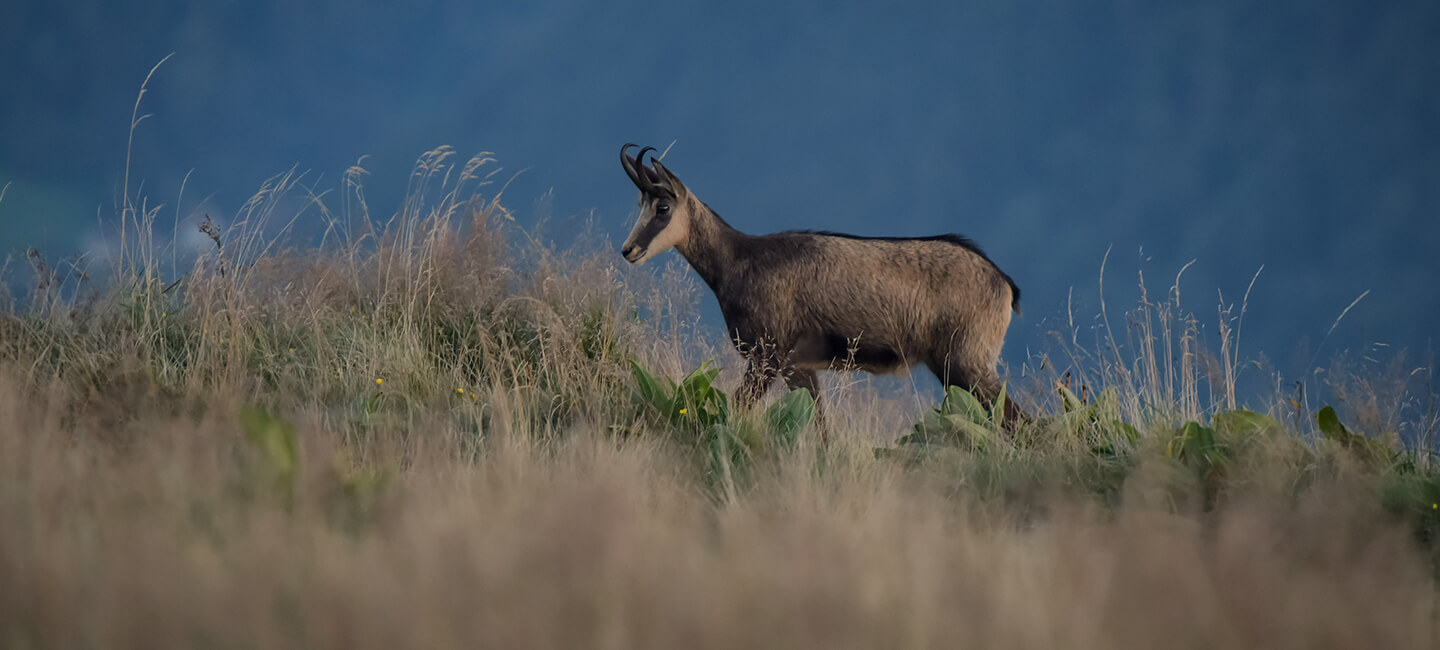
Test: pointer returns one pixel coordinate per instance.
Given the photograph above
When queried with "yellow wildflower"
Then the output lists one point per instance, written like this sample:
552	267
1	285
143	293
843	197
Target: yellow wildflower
379	381
684	411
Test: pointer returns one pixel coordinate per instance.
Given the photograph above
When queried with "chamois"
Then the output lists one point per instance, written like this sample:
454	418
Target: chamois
800	301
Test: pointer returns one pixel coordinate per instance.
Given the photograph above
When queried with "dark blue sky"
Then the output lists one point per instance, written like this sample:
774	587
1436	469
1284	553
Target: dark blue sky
1299	135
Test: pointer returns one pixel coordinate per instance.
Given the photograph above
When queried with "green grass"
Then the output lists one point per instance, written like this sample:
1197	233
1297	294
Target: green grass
436	430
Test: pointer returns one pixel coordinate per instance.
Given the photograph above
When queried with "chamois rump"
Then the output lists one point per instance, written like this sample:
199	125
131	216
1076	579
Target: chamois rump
797	302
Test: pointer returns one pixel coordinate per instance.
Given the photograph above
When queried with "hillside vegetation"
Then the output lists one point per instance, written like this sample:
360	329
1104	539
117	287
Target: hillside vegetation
437	430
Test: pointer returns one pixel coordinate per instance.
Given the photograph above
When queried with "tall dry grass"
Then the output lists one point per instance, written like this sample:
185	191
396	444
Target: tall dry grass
471	468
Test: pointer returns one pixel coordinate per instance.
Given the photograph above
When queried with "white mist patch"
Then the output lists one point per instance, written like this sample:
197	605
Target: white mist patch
173	246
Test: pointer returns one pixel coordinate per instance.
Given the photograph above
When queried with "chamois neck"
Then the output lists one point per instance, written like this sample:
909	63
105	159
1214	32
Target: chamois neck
711	244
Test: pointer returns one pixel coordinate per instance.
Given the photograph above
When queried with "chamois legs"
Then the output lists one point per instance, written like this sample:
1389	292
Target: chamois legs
982	382
758	376
807	379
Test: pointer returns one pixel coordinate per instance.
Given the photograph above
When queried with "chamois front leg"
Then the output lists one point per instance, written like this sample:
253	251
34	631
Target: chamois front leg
758	376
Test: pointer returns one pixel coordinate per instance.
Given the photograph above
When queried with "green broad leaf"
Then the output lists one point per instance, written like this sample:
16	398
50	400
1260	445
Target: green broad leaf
932	424
997	411
788	416
695	400
1366	449
729	452
651	390
700	398
959	401
954	429
1331	427
1201	444
1244	423
717	409
910	439
1081	418
700	380
1129	433
1193	440
1070	401
976	435
1199	435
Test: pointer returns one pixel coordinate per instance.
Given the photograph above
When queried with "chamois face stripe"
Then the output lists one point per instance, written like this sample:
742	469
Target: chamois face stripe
648	233
656	233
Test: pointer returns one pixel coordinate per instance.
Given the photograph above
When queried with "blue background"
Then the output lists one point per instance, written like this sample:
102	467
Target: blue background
1303	136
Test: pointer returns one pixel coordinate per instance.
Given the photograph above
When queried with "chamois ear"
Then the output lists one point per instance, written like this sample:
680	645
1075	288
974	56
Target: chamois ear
667	178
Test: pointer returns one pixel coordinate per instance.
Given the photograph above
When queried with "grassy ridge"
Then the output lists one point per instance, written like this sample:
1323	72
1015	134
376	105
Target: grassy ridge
436	430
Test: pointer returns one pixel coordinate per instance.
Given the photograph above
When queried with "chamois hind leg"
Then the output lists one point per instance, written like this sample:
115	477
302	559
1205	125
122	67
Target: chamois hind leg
807	379
983	382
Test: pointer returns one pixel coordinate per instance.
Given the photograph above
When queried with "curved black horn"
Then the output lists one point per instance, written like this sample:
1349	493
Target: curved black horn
650	174
645	178
640	157
630	163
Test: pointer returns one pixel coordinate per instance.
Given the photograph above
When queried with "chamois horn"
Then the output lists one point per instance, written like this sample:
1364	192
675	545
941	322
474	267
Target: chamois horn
643	178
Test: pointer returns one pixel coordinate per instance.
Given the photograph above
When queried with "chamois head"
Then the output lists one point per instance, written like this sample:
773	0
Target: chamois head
664	208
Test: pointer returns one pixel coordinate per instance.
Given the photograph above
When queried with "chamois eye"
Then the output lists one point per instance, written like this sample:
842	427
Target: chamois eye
662	209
